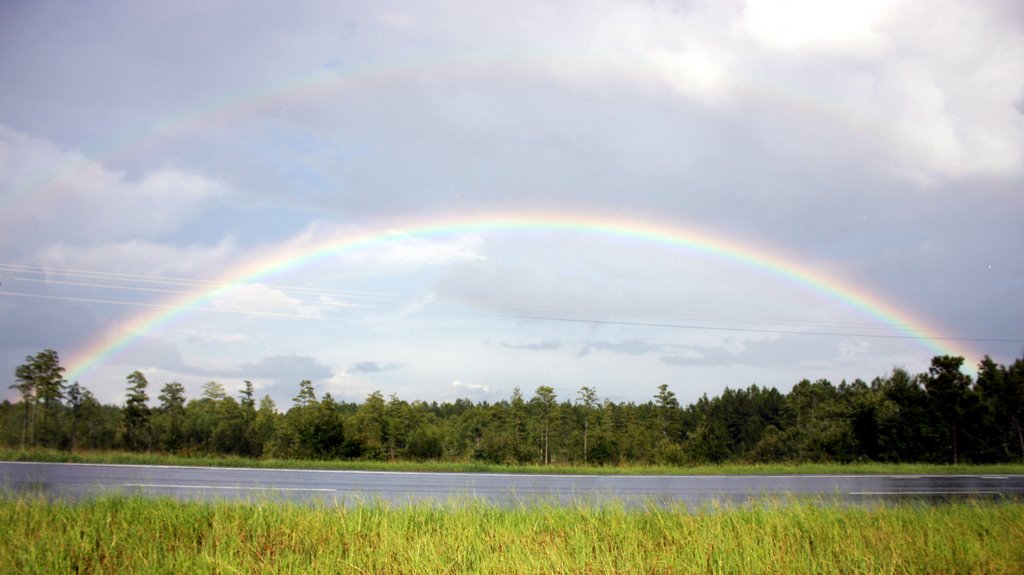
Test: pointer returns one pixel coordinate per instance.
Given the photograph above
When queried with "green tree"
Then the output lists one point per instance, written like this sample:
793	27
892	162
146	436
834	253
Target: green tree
213	391
316	428
949	390
251	445
229	430
306	396
202	416
772	447
587	400
247	397
668	449
136	413
77	398
1015	400
265	425
517	416
323	432
169	419
50	393
26	378
399	424
709	442
604	447
200	421
907	430
820	424
40	381
425	439
1001	388
369	426
544	399
668	411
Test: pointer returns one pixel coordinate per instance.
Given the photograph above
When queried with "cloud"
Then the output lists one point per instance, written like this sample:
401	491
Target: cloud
809	24
51	189
808	353
628	347
140	256
413	253
360	251
37	325
537	346
291	368
470	387
373	367
199	336
261	300
877	144
937	102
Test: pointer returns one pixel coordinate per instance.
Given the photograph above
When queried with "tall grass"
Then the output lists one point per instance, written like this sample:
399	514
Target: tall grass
122	457
126	534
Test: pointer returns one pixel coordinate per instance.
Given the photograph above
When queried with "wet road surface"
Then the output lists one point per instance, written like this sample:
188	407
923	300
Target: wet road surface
77	480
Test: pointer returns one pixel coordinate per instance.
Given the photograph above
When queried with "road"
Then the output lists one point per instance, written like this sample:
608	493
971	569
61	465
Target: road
76	480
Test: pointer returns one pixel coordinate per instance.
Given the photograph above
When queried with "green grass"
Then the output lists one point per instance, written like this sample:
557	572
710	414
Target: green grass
125	534
49	455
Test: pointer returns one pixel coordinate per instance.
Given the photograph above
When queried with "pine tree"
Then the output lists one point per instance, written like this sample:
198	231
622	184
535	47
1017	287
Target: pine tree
949	389
544	398
587	399
136	413
306	396
170	419
40	382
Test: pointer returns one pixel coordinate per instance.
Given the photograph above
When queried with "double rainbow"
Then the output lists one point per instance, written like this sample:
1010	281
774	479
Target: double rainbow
756	258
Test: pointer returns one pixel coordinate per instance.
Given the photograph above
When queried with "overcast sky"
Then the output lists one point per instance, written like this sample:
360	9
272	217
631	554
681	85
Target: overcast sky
151	150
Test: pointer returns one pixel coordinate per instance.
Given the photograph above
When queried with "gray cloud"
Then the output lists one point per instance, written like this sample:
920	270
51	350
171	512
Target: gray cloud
284	367
54	324
48	188
373	367
537	346
627	347
887	157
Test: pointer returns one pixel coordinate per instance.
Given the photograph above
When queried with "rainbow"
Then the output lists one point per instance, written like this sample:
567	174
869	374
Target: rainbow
326	84
290	257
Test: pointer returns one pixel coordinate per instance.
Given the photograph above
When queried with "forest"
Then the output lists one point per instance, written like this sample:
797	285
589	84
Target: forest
942	415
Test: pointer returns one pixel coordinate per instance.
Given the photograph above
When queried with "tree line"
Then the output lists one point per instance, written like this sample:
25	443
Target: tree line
942	415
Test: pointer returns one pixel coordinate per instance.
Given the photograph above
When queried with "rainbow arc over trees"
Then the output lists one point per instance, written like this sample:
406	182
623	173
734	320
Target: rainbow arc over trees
756	258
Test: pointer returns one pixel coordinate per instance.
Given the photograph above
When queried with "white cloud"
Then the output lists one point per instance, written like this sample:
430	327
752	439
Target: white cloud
935	86
362	251
261	300
957	81
848	25
934	83
200	336
143	257
795	125
52	192
411	253
472	387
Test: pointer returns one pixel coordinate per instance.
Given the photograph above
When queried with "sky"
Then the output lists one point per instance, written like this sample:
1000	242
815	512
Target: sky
446	200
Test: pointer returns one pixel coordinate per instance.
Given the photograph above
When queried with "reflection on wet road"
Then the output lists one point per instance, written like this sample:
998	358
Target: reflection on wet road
75	480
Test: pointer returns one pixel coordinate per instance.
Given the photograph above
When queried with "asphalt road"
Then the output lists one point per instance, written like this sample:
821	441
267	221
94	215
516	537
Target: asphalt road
77	480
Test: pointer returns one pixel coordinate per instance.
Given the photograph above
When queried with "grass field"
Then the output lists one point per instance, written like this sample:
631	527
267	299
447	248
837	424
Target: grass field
128	534
49	455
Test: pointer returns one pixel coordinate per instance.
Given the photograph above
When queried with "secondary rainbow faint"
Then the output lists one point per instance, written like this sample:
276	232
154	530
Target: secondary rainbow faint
760	258
331	82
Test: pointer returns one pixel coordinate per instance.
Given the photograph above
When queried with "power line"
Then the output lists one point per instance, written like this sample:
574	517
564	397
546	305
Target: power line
126	282
548	318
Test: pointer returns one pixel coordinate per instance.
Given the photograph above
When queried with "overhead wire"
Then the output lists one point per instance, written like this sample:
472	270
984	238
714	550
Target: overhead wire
178	286
228	291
